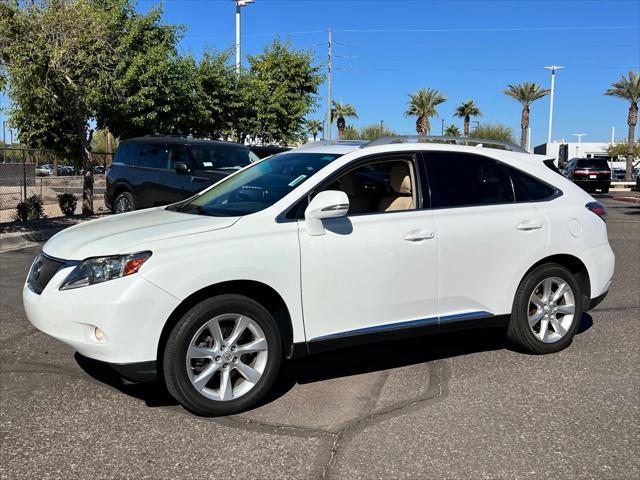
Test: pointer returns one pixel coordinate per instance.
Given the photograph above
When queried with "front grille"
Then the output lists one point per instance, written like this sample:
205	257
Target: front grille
42	271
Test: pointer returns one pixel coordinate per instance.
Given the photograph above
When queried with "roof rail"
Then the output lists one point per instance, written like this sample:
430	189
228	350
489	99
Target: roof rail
479	142
321	143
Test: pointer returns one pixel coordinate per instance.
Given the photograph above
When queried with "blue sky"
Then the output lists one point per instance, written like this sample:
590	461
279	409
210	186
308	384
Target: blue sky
465	49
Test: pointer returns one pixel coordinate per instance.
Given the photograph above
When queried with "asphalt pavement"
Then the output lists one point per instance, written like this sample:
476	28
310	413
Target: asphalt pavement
452	406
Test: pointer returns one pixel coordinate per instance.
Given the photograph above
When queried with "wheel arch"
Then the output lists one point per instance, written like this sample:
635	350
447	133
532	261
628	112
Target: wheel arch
258	291
575	266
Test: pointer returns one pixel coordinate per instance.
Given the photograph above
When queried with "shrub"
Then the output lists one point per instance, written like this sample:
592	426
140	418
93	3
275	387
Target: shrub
30	209
67	203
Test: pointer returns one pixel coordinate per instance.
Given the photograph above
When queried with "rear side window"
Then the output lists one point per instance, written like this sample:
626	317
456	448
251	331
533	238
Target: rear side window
528	188
153	156
127	153
222	157
463	180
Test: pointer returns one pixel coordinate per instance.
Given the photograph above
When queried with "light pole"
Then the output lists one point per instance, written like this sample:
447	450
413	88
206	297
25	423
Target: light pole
323	127
553	69
579	135
239	5
381	128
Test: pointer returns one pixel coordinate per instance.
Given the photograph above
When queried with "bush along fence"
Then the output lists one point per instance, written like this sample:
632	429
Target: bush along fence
27	172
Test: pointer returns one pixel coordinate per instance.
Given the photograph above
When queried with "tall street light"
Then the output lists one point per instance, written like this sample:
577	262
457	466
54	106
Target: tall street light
239	5
579	135
553	69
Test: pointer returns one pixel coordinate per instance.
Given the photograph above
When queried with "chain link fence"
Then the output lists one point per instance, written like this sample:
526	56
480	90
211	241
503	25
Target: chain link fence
25	172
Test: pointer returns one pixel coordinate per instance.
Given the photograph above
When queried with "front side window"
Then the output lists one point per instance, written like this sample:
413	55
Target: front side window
465	180
222	157
153	156
382	186
259	186
177	154
127	153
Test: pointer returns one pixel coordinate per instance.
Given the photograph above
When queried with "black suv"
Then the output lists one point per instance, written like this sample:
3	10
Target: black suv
591	174
151	171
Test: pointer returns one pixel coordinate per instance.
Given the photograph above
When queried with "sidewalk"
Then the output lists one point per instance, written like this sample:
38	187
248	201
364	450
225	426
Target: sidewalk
15	235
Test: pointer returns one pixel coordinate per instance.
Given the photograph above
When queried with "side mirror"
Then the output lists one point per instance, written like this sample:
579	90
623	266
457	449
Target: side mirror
327	204
182	167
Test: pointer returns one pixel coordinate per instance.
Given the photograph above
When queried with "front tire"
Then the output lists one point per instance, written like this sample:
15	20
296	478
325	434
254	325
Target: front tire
222	356
547	310
123	203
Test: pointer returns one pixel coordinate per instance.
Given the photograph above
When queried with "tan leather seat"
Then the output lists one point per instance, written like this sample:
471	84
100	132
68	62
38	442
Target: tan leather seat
400	179
358	200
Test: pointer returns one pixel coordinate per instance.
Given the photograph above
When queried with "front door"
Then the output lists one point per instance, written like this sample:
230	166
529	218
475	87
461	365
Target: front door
375	270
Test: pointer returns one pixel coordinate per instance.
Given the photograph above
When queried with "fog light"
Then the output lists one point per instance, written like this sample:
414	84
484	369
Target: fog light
99	334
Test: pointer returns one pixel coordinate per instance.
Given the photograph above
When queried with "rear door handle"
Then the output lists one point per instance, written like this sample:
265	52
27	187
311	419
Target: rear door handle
527	225
418	236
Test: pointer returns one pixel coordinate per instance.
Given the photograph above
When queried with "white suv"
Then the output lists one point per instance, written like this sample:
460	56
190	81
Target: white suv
320	247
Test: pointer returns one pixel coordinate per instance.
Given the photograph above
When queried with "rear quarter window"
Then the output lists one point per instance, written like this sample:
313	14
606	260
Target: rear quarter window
528	188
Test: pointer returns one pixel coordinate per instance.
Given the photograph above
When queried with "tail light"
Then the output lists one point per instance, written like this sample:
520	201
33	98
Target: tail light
599	209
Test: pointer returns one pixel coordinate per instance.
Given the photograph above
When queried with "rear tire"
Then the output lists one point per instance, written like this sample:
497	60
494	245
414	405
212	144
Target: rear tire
547	310
205	367
605	190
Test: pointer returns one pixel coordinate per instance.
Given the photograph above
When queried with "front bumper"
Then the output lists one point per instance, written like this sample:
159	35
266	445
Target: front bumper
130	311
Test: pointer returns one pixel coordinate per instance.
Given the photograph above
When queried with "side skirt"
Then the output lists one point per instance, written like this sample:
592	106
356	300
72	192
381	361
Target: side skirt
401	330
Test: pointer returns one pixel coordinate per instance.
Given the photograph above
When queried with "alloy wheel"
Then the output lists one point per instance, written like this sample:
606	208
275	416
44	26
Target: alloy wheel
227	357
123	205
551	309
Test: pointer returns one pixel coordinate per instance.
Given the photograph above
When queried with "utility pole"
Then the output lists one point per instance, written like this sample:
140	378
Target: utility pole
529	139
442	129
381	127
329	119
613	135
553	69
239	5
579	135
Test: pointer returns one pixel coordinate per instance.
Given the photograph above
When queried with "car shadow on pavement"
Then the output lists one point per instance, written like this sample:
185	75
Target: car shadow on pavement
336	363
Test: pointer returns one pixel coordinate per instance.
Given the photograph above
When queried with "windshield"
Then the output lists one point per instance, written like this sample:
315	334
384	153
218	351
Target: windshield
222	157
592	163
259	186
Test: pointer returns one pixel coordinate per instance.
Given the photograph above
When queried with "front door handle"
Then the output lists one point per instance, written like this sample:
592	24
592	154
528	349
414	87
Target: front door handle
528	225
418	236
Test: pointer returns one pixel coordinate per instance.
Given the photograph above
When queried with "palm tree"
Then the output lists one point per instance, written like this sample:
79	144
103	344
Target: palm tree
452	131
467	110
313	127
628	89
422	104
526	93
340	111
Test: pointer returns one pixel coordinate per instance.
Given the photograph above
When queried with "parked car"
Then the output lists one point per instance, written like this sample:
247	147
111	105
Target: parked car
322	247
618	174
589	173
263	151
98	169
151	171
65	170
43	171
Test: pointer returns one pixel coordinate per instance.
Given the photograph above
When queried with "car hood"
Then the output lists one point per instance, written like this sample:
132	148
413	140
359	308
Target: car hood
115	234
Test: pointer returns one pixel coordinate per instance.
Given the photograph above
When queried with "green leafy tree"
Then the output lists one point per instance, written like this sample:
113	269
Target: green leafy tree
466	110
58	61
628	88
526	93
621	149
313	127
368	132
452	131
493	131
221	100
279	89
340	112
422	104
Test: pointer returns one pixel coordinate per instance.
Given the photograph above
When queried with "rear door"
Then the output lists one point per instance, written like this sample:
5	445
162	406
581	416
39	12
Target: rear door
487	240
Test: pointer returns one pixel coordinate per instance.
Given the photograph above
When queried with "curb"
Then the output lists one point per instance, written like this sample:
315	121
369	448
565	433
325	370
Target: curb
15	241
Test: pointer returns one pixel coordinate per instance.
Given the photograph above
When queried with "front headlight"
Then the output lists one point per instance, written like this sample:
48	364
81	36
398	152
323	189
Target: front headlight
101	269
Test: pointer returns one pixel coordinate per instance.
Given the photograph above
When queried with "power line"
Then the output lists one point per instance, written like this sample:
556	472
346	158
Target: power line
490	29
